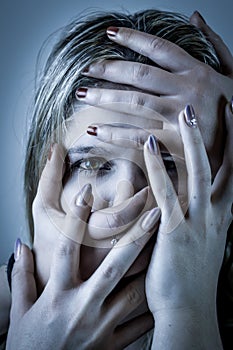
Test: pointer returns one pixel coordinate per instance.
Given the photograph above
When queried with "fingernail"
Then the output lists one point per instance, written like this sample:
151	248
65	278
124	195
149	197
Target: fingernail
153	145
199	15
92	130
112	31
81	92
151	219
17	249
190	116
50	152
84	196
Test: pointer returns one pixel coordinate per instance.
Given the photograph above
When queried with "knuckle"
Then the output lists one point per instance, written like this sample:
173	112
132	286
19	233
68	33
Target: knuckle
66	248
111	272
140	72
133	295
138	100
103	68
157	44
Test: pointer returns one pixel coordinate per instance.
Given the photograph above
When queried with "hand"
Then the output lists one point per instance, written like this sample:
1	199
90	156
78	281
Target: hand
71	313
49	218
181	282
160	93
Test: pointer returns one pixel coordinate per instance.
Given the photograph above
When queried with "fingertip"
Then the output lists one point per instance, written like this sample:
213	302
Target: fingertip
189	117
82	202
152	145
197	18
23	256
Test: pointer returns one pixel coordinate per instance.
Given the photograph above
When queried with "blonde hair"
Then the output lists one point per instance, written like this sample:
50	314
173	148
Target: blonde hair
81	43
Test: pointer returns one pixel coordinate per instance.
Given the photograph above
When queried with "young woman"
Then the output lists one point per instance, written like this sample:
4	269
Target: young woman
128	203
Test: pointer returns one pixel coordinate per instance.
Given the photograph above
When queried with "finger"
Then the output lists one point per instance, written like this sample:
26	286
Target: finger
114	220
222	189
198	167
122	255
141	76
65	263
135	137
132	330
130	102
124	137
162	186
160	51
130	137
50	184
126	300
24	291
222	50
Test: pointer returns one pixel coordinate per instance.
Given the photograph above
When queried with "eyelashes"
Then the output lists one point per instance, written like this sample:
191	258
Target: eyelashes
97	166
92	166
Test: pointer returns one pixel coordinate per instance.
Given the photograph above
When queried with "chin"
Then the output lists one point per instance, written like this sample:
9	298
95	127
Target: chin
91	258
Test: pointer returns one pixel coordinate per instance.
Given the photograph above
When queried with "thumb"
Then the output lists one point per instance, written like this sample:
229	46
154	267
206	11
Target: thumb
24	292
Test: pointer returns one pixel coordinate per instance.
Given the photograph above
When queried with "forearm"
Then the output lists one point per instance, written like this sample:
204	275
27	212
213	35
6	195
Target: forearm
184	329
5	301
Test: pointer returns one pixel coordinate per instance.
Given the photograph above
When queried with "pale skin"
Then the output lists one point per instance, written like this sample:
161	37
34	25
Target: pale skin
174	305
181	80
225	83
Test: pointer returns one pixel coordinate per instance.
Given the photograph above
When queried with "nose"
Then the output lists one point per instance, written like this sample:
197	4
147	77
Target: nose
127	178
131	178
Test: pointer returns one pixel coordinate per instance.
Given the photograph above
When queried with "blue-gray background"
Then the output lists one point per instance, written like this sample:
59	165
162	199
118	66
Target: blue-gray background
24	25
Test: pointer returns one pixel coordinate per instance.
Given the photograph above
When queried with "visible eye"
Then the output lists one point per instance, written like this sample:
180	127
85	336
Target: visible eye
92	166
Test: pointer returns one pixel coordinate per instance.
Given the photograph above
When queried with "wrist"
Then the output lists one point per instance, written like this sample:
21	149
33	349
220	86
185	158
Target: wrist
199	329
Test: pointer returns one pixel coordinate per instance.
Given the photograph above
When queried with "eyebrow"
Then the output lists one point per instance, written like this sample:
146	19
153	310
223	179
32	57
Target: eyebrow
82	149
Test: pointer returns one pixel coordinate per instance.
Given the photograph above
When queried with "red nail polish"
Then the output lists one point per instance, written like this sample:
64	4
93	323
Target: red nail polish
112	31
92	130
81	92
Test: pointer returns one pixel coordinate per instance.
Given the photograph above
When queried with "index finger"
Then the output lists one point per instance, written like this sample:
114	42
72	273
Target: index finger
66	257
123	254
159	50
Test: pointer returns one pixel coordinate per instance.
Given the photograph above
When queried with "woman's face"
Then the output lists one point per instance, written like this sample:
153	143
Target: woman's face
116	171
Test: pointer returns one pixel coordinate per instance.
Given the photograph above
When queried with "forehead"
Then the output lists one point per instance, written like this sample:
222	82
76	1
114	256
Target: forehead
78	123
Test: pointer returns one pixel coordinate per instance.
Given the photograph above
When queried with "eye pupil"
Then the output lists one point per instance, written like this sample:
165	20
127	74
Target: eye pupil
91	164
